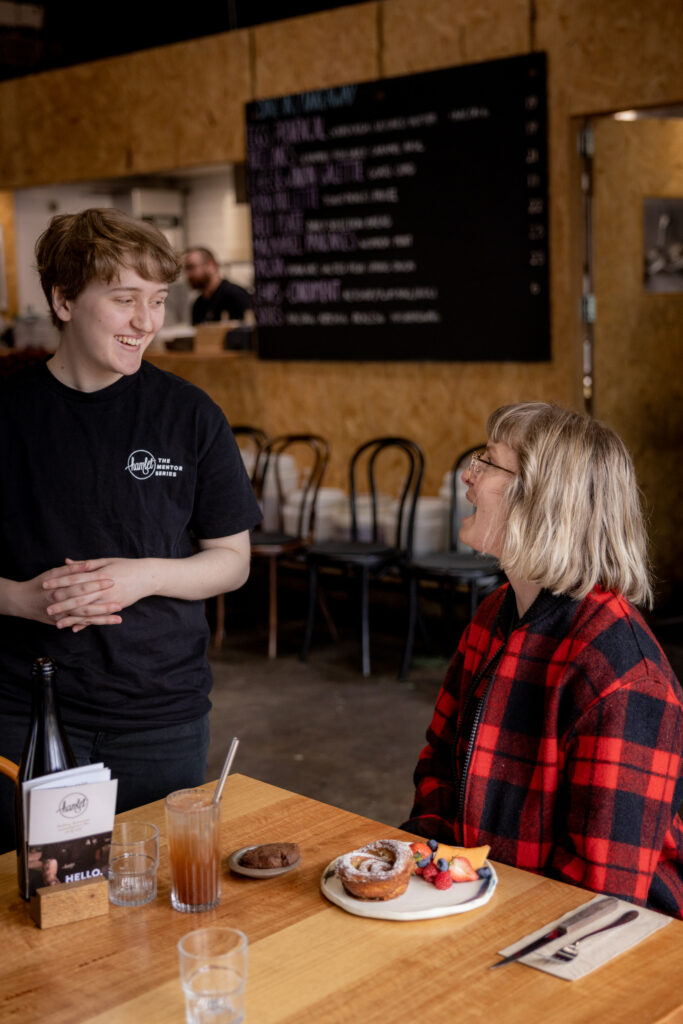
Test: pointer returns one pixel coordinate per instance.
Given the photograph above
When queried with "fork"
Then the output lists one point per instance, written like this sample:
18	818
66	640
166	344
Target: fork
571	950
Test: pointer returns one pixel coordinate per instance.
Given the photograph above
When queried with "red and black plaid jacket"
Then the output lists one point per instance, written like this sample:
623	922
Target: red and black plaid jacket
559	741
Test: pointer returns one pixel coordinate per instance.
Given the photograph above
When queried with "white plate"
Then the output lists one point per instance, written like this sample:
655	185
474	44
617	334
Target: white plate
419	902
240	869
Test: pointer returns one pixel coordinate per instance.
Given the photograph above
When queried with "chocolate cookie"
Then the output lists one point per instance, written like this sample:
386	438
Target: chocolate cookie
271	855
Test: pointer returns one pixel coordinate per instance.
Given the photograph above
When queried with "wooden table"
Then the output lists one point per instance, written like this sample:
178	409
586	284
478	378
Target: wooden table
309	960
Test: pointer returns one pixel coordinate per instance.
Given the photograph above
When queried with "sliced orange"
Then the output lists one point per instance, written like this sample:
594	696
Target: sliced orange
476	855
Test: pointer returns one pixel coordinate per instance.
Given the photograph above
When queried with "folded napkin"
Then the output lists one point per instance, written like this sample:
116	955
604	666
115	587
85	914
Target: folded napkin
597	950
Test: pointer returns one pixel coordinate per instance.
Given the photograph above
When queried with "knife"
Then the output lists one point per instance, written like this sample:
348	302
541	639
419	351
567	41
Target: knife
590	913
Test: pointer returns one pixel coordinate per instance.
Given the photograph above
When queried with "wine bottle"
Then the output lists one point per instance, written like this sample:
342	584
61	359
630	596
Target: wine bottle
47	749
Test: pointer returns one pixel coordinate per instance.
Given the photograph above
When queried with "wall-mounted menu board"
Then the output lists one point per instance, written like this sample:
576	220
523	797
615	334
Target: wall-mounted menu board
404	218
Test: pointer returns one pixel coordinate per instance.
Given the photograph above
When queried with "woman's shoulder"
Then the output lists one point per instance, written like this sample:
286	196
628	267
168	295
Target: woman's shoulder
189	399
153	377
606	612
608	629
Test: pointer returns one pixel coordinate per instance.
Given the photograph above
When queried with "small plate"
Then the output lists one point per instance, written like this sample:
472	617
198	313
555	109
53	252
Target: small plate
240	869
419	902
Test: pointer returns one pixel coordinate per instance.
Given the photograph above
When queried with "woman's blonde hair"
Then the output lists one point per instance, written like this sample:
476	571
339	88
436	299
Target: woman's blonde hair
572	514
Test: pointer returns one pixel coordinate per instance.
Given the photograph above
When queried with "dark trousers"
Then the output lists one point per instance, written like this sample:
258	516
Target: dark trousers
148	763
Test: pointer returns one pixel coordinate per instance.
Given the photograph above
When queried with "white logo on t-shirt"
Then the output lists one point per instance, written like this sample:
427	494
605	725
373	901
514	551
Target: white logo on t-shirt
142	465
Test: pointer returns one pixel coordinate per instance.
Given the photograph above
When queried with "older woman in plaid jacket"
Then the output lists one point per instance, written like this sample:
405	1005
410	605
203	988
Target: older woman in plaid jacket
557	736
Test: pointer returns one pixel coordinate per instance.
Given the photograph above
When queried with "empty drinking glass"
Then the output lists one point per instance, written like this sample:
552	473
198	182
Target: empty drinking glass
213	973
133	862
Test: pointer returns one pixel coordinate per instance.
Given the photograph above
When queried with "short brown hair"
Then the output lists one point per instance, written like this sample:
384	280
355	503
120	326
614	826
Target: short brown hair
206	254
572	513
77	248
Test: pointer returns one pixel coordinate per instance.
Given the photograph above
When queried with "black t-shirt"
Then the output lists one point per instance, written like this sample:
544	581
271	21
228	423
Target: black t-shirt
137	469
228	297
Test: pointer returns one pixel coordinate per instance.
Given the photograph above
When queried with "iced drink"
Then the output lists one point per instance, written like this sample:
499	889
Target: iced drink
192	823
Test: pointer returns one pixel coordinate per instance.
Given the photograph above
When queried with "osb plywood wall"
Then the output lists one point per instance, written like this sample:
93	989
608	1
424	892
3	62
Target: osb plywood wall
175	106
639	334
183	105
10	267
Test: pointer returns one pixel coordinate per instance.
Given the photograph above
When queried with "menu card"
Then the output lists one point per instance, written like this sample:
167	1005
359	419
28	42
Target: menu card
69	818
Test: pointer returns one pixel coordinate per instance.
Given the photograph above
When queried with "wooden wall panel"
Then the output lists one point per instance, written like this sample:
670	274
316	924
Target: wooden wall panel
638	334
614	54
316	52
11	148
165	108
68	113
190	99
442	33
7	222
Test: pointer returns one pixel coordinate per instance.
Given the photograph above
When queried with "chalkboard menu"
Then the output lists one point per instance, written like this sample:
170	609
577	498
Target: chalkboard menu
405	218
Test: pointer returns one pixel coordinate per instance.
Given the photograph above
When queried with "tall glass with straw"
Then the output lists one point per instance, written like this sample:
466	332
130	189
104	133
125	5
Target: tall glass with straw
193	831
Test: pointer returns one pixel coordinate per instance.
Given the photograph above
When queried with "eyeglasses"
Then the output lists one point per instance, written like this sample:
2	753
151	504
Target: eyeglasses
478	461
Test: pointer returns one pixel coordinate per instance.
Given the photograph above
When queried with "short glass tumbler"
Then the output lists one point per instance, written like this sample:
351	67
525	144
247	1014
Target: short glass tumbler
213	973
133	863
192	826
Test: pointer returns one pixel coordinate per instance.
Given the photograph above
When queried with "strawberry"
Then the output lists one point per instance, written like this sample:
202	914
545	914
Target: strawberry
421	852
443	880
460	870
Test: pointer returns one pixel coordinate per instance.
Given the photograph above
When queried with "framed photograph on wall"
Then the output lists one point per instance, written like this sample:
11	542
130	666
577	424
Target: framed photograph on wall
663	245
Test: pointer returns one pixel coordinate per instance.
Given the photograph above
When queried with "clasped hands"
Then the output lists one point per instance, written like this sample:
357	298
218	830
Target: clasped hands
93	592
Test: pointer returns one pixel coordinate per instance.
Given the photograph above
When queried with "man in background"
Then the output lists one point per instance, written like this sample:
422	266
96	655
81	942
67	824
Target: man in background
216	294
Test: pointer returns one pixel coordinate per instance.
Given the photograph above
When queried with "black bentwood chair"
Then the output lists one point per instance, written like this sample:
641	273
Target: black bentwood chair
272	545
453	568
250	441
368	558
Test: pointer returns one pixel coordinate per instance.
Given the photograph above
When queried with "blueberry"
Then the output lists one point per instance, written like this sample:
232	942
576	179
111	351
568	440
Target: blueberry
432	844
484	872
424	862
442	864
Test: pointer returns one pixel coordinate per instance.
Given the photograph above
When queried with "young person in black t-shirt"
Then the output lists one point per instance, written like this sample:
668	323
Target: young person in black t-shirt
124	505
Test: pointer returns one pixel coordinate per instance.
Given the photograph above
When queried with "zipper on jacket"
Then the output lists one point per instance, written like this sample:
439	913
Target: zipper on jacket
481	701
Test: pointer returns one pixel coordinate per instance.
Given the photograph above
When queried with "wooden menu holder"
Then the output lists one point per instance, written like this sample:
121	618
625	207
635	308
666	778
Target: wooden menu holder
75	901
210	338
